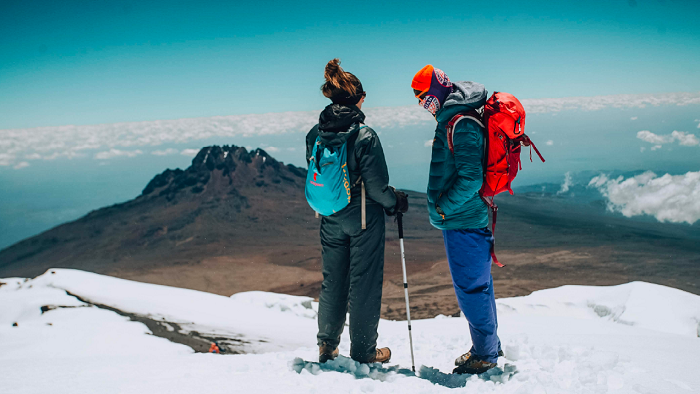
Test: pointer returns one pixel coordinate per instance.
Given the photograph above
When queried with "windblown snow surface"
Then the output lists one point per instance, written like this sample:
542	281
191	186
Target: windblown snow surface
632	338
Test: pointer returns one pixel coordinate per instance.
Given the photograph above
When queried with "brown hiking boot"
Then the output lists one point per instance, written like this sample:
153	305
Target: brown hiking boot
463	358
326	352
383	356
473	366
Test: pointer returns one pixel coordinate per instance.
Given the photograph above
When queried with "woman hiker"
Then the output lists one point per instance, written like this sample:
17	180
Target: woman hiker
456	208
353	257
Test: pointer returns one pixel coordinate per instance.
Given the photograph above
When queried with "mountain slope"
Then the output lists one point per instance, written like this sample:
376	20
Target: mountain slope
237	220
234	220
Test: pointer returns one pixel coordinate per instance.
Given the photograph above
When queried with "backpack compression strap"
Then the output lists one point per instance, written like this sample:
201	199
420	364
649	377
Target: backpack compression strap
494	214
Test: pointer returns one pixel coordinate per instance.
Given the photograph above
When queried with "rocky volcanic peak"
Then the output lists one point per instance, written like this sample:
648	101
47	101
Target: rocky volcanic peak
237	167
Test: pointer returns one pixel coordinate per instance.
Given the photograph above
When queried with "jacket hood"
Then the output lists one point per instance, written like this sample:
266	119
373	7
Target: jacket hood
338	122
465	95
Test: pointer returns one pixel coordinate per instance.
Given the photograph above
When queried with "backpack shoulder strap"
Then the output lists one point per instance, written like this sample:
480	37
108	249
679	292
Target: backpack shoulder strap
316	153
452	124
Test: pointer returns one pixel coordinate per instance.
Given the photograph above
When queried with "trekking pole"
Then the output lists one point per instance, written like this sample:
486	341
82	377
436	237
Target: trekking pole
399	218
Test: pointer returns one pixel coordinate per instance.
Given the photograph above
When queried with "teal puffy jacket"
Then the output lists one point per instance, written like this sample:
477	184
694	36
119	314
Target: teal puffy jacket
455	180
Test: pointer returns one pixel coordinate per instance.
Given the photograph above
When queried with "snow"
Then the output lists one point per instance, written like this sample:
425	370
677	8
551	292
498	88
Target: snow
638	304
632	338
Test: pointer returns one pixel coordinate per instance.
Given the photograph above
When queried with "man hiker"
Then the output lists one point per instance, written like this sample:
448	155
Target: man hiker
456	208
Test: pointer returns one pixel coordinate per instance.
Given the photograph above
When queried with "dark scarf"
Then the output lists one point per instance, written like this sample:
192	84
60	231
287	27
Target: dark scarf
337	117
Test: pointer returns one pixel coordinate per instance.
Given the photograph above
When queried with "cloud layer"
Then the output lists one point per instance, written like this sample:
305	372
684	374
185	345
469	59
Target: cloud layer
112	153
669	198
683	138
103	141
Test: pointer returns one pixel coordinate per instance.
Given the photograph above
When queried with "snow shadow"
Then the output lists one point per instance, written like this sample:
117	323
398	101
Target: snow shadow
347	365
453	381
377	371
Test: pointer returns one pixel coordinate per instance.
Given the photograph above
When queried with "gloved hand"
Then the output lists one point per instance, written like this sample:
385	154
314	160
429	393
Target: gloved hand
401	201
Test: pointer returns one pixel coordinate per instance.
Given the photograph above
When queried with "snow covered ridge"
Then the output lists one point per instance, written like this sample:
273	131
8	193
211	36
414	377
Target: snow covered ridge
632	338
639	304
18	147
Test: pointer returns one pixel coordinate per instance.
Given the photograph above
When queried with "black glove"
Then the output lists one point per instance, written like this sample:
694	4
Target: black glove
401	201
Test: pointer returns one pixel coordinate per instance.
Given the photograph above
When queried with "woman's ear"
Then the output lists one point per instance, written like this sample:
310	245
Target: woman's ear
359	103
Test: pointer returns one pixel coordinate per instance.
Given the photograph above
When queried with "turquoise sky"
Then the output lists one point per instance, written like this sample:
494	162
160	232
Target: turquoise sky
86	62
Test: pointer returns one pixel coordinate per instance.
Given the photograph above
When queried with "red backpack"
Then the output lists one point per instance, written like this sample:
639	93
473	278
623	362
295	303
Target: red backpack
504	126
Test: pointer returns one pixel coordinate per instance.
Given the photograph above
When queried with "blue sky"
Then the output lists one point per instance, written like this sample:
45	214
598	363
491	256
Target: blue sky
87	62
90	62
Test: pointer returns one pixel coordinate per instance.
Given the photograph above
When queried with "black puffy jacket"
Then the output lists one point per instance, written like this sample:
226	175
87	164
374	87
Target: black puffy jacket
340	123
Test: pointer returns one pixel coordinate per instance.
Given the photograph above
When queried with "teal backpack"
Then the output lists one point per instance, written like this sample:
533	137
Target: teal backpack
327	180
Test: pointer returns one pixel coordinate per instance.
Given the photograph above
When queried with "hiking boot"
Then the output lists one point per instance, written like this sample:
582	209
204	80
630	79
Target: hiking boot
463	358
474	366
326	352
383	356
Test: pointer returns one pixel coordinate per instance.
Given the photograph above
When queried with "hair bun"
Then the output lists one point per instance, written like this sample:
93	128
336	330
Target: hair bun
332	70
339	83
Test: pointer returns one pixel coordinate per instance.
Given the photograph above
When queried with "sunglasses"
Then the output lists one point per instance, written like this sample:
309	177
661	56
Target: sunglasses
419	95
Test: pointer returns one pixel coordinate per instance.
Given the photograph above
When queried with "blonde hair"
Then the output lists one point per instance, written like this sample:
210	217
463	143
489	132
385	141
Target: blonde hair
338	81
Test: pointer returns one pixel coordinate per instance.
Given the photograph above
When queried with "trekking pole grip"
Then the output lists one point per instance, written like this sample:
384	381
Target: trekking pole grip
399	219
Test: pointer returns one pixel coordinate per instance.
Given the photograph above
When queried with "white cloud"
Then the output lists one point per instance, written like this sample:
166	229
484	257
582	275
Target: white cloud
112	153
21	165
698	120
6	159
669	198
648	136
428	143
633	118
549	143
655	147
67	154
166	152
189	152
33	156
292	149
272	149
615	101
642	149
69	141
683	138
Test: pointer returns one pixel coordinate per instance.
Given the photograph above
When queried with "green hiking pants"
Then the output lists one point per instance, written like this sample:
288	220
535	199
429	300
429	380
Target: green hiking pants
353	272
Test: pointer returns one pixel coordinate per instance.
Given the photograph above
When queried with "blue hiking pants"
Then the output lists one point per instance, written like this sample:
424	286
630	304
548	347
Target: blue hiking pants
469	257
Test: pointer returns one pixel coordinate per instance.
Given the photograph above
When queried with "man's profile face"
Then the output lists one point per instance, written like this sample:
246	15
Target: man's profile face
419	95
